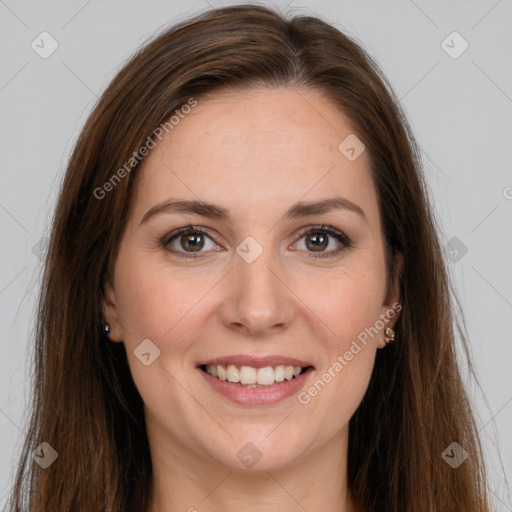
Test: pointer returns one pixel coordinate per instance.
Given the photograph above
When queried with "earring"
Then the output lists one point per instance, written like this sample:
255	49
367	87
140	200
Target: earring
390	334
107	329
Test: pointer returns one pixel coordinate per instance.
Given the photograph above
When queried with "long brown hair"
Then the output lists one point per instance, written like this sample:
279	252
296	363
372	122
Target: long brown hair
85	404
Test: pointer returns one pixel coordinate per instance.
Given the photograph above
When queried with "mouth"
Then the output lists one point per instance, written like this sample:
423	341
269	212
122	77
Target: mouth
255	377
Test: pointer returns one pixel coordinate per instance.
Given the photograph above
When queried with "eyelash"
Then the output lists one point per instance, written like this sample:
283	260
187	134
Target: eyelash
329	230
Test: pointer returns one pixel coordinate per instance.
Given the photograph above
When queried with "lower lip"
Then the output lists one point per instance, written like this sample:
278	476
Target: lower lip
257	396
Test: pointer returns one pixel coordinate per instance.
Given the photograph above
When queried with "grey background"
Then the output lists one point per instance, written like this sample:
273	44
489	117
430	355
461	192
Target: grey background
459	108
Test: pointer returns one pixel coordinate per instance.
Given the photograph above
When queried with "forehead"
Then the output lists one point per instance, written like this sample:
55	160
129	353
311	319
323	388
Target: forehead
256	149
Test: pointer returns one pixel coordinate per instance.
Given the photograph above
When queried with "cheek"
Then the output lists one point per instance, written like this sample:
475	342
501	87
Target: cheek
350	306
153	304
149	301
160	303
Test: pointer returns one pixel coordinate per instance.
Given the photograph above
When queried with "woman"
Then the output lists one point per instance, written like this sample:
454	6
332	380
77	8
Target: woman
245	303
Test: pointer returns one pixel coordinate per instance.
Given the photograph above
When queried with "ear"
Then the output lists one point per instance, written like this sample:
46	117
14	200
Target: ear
110	313
392	303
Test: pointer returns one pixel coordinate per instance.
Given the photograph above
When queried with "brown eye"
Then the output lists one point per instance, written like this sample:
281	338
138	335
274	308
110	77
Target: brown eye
319	238
317	241
188	242
194	242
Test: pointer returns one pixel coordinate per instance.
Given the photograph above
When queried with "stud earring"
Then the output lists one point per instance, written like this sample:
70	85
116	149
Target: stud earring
107	329
390	335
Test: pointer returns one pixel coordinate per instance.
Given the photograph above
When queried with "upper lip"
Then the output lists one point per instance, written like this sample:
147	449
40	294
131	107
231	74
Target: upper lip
256	362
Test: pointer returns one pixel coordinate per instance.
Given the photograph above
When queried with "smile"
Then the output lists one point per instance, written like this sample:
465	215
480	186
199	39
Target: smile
262	385
250	377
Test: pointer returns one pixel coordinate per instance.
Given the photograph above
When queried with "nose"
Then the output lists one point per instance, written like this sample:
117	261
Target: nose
257	301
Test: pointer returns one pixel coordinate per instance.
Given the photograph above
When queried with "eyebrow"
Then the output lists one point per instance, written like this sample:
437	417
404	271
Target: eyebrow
213	211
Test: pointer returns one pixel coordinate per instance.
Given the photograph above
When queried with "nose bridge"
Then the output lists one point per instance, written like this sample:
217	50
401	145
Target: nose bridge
256	298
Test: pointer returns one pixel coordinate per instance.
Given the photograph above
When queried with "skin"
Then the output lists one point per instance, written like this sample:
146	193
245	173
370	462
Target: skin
256	152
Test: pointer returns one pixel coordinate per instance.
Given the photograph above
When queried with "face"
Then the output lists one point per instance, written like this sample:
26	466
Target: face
264	285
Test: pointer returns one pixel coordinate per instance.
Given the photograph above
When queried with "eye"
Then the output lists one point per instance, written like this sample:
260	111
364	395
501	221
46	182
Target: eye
317	240
187	241
190	241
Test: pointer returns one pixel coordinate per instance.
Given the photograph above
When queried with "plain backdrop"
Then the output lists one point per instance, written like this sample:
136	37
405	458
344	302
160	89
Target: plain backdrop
456	90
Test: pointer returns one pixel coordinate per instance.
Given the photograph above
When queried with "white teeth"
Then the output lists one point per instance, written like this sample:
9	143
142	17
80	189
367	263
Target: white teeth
248	375
253	377
232	374
279	373
221	372
266	376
